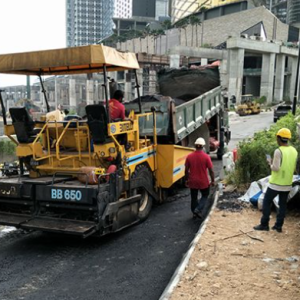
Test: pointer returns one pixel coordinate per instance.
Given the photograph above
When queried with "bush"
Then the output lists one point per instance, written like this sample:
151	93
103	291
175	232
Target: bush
261	100
252	164
7	147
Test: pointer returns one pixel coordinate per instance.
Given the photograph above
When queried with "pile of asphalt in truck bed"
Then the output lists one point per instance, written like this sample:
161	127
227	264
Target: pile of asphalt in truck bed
187	84
158	98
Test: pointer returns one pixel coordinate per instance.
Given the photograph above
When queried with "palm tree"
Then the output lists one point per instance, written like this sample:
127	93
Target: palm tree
166	25
193	20
182	24
157	33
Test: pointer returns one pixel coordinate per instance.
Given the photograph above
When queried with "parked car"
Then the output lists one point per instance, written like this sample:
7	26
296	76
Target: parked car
281	110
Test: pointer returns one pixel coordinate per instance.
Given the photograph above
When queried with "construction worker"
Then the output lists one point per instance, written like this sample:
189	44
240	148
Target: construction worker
116	108
113	87
117	113
196	166
282	169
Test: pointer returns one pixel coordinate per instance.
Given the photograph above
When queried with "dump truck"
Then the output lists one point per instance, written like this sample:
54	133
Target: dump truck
188	105
182	123
81	178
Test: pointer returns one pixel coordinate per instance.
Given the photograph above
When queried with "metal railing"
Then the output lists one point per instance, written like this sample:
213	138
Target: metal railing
38	137
59	139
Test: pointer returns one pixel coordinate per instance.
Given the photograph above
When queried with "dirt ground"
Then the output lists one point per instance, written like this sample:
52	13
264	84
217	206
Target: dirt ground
232	261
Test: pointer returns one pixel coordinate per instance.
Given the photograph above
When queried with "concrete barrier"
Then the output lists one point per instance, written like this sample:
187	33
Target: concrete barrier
184	262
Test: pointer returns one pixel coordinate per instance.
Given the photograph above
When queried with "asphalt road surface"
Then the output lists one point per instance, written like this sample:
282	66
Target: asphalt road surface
136	263
244	127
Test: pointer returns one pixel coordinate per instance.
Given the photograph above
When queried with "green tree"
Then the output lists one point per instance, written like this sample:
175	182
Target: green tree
182	24
156	34
166	25
194	21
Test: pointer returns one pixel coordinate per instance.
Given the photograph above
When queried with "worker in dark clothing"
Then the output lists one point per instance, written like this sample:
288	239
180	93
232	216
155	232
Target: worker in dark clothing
116	108
113	86
196	166
282	170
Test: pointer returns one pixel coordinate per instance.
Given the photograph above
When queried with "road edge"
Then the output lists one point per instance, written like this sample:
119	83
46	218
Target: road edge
186	258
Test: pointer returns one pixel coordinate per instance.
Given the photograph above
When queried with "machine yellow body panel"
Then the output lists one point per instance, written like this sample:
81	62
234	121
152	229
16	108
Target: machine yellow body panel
9	130
170	164
145	155
105	150
24	150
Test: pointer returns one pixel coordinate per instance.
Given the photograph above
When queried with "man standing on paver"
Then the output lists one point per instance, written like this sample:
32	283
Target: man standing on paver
196	166
280	183
116	107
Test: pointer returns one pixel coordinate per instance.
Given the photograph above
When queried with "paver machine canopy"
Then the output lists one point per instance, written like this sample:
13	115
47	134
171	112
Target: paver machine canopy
68	61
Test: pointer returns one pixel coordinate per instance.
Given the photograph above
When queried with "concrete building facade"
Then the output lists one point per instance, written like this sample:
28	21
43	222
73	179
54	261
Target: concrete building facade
161	9
88	21
262	64
287	11
211	33
278	8
144	8
123	9
259	64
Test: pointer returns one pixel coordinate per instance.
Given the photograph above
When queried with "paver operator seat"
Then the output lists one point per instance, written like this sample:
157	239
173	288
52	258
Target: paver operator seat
97	122
23	125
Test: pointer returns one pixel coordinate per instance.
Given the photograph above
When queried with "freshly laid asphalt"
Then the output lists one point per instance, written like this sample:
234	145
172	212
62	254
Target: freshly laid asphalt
136	263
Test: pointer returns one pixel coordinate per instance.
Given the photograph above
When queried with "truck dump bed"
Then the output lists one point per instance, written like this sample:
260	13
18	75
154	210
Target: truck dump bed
188	83
174	123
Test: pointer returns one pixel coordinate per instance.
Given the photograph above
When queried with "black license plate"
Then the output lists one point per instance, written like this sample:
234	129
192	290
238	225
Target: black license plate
65	194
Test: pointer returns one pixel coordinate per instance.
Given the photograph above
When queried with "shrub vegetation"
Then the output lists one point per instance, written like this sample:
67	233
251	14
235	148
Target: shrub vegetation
7	147
251	164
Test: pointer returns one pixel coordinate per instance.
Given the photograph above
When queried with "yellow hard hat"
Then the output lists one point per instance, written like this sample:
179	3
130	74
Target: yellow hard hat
284	133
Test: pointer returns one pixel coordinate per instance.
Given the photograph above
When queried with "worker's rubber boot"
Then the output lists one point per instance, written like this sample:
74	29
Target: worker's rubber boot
198	214
261	227
278	229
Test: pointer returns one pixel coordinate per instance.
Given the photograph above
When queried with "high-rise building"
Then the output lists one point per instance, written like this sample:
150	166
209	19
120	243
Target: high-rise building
162	9
294	13
143	8
287	11
277	7
88	21
123	9
183	8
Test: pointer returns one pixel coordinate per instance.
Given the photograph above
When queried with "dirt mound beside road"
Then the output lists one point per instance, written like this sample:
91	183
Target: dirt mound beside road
232	261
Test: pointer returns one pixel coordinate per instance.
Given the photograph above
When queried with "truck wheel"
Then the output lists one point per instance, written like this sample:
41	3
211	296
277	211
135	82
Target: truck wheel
143	171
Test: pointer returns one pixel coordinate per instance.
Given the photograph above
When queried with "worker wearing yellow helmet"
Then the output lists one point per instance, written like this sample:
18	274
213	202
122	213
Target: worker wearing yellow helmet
283	167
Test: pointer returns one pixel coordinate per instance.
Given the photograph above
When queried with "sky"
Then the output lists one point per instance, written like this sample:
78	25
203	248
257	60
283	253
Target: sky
29	25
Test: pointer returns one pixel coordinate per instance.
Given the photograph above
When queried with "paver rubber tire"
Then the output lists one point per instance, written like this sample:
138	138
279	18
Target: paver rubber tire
142	171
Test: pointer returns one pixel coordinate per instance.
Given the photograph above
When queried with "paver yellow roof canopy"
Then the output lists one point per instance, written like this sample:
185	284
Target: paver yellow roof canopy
76	60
